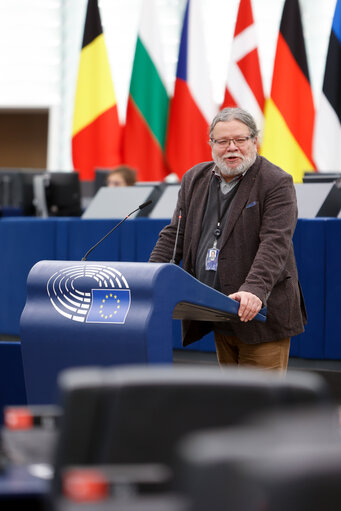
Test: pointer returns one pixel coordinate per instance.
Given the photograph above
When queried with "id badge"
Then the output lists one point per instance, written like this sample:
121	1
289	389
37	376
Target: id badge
212	259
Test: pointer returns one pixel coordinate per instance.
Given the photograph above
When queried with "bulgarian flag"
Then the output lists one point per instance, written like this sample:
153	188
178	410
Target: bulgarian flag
192	108
290	112
147	109
96	130
244	86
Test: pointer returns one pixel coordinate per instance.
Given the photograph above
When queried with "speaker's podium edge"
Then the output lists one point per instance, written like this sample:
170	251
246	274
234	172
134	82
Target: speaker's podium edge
106	313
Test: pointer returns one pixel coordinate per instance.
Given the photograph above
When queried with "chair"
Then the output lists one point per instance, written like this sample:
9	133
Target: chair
279	462
135	415
29	434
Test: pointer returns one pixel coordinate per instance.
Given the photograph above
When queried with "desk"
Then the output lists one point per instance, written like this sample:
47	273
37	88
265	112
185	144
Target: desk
26	240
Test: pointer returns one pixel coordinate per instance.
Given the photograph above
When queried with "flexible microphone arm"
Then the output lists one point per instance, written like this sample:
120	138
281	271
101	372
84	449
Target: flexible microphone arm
176	238
145	204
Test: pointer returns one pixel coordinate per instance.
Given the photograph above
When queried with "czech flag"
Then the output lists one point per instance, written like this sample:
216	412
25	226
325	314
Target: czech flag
192	107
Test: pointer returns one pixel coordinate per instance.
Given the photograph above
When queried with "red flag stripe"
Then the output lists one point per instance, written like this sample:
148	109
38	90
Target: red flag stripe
145	152
229	100
288	75
188	132
244	86
244	18
249	66
96	145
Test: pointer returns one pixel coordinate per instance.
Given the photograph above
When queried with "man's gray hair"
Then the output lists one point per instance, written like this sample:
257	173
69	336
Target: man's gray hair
238	114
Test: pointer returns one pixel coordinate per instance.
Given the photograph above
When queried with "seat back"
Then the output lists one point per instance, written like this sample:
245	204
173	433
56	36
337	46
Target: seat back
137	414
281	461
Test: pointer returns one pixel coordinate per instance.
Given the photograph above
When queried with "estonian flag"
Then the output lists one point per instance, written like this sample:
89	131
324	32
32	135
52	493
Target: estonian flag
327	135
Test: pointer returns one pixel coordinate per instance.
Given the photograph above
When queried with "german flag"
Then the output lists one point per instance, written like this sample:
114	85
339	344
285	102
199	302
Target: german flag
96	130
289	112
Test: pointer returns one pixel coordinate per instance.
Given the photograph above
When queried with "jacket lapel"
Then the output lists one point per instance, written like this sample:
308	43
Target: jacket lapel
198	203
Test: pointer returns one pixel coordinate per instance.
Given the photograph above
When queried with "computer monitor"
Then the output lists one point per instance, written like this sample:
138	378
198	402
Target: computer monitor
26	200
101	177
63	194
16	189
10	188
321	177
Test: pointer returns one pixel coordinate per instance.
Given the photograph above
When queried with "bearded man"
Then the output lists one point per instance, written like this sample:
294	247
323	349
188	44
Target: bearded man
238	216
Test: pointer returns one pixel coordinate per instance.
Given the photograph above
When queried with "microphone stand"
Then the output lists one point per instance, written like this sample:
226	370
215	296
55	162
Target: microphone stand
115	227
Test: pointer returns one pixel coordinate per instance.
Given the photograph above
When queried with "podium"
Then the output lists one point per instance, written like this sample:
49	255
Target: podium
107	313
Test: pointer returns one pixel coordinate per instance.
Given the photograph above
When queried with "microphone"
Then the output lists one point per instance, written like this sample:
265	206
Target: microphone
176	238
145	204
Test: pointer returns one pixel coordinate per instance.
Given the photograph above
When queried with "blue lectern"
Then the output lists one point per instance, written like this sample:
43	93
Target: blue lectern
107	313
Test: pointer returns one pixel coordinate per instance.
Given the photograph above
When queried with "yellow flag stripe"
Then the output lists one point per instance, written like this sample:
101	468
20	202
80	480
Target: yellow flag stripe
280	146
95	91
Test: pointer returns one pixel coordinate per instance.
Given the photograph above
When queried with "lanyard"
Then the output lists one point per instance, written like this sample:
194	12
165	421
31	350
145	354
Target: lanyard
220	215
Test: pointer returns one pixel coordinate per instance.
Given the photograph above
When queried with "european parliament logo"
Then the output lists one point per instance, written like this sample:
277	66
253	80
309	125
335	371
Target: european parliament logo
90	293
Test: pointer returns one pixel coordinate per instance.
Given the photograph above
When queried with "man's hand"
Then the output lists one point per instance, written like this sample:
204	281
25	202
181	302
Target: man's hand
249	306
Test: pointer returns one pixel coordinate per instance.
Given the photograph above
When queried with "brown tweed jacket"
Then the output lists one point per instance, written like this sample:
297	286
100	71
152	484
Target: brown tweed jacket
256	253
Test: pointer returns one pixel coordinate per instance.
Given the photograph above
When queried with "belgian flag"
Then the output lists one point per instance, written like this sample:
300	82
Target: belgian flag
290	112
96	137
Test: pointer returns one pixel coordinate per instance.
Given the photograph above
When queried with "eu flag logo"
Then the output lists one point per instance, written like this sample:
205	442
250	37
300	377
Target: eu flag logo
109	306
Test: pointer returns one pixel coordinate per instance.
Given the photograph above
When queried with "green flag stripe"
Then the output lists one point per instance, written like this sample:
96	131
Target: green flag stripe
149	95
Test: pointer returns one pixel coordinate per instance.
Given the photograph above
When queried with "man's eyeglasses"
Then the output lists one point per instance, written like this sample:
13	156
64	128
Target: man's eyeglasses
225	142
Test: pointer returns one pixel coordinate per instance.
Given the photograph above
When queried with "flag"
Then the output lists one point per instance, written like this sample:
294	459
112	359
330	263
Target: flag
244	86
192	107
327	134
109	306
289	112
147	109
96	129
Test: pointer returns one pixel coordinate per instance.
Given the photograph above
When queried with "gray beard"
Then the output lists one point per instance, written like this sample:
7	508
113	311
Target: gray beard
237	171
